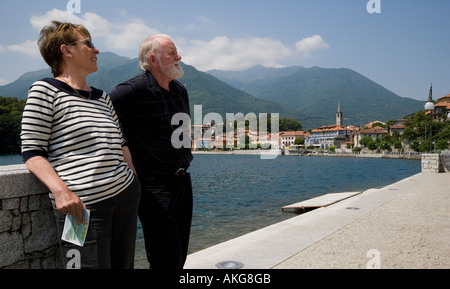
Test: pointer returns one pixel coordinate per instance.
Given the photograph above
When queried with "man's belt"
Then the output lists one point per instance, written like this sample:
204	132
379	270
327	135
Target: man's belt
179	172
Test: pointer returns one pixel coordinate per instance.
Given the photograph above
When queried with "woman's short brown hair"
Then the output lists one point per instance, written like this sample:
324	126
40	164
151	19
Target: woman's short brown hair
51	39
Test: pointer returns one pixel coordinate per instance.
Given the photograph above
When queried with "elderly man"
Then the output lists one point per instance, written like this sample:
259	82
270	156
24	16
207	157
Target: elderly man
145	106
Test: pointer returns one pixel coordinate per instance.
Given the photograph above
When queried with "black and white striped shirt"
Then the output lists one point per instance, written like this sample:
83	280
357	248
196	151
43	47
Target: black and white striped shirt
81	138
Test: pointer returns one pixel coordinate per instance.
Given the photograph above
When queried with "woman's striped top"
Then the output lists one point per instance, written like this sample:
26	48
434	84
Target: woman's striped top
81	138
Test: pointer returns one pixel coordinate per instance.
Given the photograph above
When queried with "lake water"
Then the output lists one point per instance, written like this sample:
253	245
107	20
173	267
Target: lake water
238	194
10	160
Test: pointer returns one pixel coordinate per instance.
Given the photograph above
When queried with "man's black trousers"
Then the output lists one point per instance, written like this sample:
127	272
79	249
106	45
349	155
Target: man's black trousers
165	212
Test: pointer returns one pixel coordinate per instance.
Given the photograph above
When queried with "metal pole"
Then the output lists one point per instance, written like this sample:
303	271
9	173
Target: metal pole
431	131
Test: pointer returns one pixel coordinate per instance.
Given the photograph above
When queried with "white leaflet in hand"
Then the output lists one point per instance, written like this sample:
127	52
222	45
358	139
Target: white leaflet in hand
76	233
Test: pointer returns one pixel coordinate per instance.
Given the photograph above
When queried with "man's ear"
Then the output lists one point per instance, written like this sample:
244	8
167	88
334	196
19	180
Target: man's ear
152	60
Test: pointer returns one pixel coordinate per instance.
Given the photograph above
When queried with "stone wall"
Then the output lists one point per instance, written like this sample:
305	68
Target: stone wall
445	161
436	163
28	238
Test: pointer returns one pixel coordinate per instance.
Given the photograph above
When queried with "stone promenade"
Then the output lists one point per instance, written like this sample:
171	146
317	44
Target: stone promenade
403	225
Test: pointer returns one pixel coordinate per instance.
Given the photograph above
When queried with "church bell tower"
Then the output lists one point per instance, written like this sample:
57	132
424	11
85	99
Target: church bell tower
339	115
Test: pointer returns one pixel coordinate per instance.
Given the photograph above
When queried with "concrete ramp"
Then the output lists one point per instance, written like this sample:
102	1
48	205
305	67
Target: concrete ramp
318	202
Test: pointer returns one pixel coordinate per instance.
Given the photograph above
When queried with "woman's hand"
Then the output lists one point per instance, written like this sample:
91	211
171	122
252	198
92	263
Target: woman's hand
69	203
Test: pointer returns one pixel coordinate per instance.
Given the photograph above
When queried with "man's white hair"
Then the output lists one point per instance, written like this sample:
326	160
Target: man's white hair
151	45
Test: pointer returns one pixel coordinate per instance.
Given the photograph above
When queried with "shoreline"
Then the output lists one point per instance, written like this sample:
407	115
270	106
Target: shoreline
405	156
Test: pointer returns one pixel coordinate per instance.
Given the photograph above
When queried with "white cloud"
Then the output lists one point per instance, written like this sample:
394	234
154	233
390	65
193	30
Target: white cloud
203	19
119	35
28	47
4	81
129	36
234	54
310	44
39	21
126	33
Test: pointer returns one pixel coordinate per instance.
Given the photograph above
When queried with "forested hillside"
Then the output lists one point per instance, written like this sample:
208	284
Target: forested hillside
10	118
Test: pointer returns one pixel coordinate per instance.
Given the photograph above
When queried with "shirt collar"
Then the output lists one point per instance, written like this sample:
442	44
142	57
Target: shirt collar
155	85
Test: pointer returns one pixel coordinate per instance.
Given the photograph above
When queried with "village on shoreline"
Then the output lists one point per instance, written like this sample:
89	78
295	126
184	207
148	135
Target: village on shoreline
404	138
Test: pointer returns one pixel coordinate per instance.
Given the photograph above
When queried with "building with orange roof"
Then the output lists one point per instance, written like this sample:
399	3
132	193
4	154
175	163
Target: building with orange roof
374	133
442	108
329	135
287	138
400	128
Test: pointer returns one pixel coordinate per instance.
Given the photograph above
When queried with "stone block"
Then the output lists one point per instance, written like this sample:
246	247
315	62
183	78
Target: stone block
11	250
10	204
16	222
18	266
43	231
26	225
430	163
34	203
6	220
45	203
19	182
23	204
35	264
50	262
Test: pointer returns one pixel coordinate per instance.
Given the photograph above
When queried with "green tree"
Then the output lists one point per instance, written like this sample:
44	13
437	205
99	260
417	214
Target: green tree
396	135
290	124
365	140
384	145
10	118
356	149
424	146
299	141
410	134
442	144
414	144
372	145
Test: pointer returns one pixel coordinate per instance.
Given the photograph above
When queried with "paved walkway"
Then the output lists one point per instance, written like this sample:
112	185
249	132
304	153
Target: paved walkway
403	225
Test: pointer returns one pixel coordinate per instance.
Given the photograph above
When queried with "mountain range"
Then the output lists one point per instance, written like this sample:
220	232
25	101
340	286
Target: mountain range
318	91
310	95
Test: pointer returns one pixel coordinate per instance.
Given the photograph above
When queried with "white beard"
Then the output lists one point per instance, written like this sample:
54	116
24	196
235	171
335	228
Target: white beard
172	71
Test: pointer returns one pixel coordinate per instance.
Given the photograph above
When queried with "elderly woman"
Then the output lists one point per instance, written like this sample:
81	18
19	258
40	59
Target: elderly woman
72	142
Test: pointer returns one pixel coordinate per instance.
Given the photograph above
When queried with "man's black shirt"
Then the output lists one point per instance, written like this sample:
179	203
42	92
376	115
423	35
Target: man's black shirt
145	111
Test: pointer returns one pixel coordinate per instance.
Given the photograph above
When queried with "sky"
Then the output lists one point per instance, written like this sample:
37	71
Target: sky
403	45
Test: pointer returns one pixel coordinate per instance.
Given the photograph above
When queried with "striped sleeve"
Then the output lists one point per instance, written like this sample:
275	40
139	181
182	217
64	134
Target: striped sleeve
37	118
